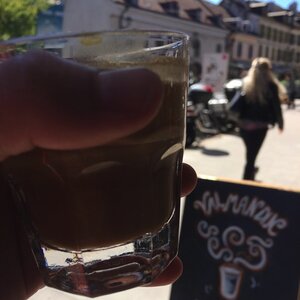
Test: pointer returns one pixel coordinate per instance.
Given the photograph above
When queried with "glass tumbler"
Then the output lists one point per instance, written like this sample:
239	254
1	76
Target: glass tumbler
105	219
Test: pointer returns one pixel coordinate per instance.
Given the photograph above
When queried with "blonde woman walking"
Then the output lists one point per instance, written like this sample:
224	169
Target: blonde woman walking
259	109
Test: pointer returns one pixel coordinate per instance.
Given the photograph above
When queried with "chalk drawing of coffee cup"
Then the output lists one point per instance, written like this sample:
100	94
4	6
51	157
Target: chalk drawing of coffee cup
230	281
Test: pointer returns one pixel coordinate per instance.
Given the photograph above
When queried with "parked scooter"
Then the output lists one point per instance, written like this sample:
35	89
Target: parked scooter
206	113
198	95
231	87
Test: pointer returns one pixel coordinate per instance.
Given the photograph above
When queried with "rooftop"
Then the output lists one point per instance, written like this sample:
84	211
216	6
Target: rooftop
192	10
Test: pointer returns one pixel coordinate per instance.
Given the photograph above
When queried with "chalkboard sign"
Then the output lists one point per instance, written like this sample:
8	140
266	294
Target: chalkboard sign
239	241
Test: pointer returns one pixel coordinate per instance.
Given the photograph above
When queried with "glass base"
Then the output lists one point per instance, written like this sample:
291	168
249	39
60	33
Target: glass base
110	270
98	272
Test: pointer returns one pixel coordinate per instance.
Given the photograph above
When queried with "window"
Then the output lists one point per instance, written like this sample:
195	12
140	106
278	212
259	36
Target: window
275	33
246	27
219	48
291	56
262	30
196	45
282	55
239	49
280	36
260	50
269	33
171	8
273	54
159	43
286	37
250	52
292	39
267	52
285	55
278	55
132	2
288	56
298	57
195	14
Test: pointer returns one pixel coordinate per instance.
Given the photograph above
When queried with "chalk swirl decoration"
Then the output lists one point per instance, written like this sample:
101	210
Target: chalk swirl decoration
233	246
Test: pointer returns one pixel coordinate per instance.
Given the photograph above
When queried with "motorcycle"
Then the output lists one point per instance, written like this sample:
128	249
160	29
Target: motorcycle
231	87
206	113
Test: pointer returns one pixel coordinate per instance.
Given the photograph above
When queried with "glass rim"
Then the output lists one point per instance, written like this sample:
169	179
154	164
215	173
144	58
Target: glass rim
64	35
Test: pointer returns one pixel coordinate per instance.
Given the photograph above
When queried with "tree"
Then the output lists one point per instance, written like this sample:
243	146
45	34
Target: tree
18	17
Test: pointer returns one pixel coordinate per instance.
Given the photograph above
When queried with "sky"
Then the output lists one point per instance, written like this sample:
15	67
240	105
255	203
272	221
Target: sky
282	3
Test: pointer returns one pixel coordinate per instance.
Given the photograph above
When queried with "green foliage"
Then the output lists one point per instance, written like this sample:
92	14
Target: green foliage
18	17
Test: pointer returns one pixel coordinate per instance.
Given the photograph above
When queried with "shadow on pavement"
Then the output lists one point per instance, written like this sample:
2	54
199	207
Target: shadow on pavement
206	151
214	152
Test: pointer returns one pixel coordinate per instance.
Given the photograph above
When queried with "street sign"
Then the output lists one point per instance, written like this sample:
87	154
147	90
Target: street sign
239	241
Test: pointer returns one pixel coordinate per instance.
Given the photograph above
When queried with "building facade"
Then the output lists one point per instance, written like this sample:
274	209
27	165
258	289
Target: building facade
244	29
263	29
207	34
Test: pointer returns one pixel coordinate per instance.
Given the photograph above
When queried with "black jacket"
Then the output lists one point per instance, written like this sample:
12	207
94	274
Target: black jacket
268	112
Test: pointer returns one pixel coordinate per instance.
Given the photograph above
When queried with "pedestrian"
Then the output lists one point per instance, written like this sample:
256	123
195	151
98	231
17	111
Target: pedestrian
258	106
37	126
291	90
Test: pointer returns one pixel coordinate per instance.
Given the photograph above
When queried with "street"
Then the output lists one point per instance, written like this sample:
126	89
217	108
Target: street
223	156
278	159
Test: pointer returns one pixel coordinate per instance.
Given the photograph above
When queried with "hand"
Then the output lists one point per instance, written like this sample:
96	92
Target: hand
44	103
173	272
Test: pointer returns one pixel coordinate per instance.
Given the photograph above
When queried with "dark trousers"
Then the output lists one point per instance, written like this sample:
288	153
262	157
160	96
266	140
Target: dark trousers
291	101
253	140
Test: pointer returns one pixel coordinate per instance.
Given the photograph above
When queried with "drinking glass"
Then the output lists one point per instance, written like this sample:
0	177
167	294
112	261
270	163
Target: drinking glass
105	219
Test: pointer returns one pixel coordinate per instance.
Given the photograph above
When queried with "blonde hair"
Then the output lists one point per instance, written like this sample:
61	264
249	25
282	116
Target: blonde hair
256	83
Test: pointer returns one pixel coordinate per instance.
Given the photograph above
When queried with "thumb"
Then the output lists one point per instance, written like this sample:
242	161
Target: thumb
50	103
